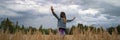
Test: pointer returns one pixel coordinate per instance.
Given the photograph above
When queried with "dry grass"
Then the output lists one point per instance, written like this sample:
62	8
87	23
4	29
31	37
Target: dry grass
86	35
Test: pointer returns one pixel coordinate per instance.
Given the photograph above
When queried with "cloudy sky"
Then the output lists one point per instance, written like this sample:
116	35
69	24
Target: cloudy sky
34	13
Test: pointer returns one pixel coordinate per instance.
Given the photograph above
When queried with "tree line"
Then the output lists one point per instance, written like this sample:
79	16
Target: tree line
8	25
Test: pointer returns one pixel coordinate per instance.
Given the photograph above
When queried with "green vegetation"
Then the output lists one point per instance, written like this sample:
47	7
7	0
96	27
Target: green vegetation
11	31
7	24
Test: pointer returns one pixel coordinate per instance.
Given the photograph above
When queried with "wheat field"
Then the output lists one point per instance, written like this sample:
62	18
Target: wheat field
77	35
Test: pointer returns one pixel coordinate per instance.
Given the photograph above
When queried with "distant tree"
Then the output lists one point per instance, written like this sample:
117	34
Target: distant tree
26	30
71	30
7	24
80	26
40	29
110	29
17	26
118	29
32	29
45	31
85	28
101	28
54	31
23	27
92	28
67	30
98	30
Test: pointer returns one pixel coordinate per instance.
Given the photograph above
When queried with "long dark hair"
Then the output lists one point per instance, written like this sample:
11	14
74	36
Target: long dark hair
63	15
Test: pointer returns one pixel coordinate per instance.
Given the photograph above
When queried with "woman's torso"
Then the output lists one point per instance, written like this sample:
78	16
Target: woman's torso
61	23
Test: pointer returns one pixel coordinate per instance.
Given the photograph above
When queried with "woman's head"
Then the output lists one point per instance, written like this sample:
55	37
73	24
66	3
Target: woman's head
62	15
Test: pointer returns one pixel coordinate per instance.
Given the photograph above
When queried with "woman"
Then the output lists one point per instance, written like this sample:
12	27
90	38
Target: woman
62	20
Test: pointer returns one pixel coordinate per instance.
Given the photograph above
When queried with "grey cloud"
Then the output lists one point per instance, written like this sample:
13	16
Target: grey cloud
30	19
111	10
108	8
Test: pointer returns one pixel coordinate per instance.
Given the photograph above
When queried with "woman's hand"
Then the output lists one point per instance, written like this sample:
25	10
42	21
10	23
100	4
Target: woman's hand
54	12
52	8
73	18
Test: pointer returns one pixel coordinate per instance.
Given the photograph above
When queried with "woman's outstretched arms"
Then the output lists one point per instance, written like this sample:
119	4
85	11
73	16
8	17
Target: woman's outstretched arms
54	12
71	19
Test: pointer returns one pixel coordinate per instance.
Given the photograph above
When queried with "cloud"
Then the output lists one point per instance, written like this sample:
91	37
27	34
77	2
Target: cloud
4	12
37	12
89	11
114	3
112	10
46	21
8	13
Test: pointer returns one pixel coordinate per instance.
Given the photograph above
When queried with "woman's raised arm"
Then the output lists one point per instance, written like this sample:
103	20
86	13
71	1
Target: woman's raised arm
54	12
71	19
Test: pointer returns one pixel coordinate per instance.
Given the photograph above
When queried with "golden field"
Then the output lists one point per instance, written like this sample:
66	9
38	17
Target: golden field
12	31
77	35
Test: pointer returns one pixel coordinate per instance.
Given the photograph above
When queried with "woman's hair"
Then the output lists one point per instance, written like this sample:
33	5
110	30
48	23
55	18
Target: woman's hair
62	15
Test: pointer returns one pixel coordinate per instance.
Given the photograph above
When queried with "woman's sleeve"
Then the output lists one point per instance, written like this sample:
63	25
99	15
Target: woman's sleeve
55	14
70	20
